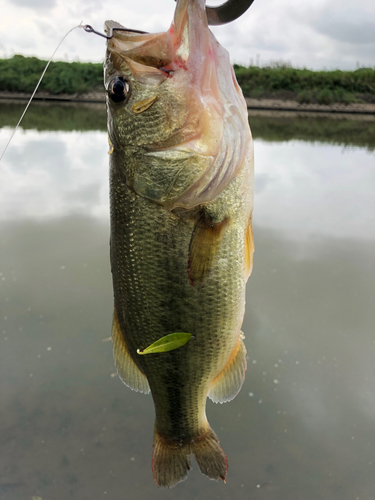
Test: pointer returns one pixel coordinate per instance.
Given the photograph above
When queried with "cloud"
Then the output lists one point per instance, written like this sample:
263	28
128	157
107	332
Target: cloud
316	34
353	29
36	4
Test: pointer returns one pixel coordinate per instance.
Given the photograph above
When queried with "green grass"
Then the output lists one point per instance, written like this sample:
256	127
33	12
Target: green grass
323	87
21	74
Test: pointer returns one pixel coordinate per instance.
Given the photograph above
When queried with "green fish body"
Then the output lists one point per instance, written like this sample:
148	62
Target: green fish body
181	184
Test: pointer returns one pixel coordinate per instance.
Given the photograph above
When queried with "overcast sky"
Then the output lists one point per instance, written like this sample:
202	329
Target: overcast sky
316	34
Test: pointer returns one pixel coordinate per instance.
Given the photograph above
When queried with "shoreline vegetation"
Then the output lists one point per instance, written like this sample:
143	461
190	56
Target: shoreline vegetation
273	87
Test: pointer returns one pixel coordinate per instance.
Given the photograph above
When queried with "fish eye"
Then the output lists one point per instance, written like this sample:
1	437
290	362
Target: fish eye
119	89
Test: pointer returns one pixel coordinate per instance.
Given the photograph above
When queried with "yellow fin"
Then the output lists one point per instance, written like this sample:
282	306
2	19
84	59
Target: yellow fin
141	106
249	249
110	146
228	383
204	246
128	371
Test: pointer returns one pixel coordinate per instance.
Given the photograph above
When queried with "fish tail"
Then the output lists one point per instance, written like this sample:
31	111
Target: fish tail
209	455
171	461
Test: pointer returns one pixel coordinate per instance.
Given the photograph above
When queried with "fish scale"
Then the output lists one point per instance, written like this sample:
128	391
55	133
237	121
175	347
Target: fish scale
181	239
161	303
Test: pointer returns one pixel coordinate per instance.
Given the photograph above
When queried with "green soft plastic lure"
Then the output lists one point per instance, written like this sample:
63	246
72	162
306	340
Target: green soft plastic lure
167	343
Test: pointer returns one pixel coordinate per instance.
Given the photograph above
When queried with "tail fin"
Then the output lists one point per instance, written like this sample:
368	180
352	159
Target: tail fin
209	455
171	460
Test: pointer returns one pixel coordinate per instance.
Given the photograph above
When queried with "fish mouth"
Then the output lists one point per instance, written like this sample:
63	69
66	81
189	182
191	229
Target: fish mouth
148	49
187	37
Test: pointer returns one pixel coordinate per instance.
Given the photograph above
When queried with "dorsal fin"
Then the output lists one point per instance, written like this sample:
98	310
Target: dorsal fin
228	383
128	371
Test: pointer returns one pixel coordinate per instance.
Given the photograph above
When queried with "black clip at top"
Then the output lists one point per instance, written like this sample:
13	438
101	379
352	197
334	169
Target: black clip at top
227	12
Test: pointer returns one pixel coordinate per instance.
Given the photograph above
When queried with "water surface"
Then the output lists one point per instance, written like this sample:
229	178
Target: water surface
302	426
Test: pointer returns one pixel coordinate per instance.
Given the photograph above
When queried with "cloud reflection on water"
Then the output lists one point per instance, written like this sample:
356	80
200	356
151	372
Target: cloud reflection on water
53	174
313	188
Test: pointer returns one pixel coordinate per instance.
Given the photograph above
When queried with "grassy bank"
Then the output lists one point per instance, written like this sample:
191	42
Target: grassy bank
306	86
21	74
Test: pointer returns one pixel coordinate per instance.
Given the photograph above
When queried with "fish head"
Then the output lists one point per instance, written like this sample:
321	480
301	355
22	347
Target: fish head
173	98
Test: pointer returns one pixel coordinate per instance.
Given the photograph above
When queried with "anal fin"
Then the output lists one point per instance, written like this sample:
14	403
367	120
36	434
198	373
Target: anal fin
228	383
128	371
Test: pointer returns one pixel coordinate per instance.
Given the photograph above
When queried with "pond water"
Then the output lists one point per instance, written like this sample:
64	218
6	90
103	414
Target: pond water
302	426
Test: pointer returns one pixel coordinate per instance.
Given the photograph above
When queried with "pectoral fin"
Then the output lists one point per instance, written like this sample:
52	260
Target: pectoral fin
204	246
229	381
128	371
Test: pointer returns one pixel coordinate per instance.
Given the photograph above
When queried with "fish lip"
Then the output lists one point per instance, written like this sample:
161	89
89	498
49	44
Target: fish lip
187	36
186	40
152	50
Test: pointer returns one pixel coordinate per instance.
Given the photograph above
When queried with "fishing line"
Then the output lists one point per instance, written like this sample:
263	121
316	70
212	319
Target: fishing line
37	86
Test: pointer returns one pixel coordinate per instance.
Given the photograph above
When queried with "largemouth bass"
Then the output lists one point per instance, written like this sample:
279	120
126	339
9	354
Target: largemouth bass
181	180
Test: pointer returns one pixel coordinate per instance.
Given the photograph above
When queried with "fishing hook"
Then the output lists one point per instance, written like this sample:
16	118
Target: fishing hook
90	29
